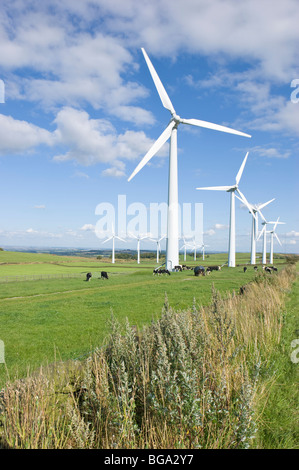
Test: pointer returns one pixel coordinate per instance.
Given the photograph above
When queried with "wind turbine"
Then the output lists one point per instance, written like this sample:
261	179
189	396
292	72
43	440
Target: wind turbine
273	234
185	248
194	246
264	233
256	209
203	246
172	246
158	241
232	224
138	238
113	237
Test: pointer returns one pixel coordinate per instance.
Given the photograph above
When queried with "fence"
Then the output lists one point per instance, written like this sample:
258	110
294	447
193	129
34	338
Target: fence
38	277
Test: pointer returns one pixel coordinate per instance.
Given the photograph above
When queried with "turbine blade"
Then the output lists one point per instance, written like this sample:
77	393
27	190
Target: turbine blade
160	88
246	203
238	177
262	215
121	239
217	188
261	232
210	125
154	149
110	238
275	225
261	206
277	239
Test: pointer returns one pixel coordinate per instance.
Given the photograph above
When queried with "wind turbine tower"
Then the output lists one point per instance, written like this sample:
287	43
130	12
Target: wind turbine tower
172	243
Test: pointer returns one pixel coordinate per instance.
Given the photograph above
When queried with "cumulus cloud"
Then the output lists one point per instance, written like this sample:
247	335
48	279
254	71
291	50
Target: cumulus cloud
21	136
81	139
90	141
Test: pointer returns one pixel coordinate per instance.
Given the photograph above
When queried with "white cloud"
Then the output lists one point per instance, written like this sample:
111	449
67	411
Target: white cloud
21	136
270	152
292	234
41	206
220	227
92	141
87	227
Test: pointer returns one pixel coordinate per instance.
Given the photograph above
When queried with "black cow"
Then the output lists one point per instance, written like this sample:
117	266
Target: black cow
244	269
88	276
255	268
104	275
199	270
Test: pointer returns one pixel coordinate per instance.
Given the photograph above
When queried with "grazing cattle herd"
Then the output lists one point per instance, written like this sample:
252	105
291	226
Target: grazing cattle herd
198	271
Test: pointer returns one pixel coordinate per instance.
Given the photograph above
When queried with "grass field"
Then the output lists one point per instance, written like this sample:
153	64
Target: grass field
67	318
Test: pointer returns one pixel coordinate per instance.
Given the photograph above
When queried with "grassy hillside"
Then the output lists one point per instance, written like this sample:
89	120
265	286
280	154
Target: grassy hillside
195	377
67	318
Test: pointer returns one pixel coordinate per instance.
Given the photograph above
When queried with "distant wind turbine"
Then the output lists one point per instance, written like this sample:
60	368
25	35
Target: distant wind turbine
158	242
113	237
264	233
194	246
172	247
138	238
185	245
272	234
256	209
203	246
232	224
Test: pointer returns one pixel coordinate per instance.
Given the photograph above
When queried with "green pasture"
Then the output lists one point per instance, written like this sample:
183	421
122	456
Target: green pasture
45	320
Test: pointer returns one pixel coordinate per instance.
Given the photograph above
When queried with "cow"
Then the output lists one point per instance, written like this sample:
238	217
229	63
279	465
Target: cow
88	276
244	269
178	268
104	275
199	270
165	271
255	268
268	270
214	268
161	271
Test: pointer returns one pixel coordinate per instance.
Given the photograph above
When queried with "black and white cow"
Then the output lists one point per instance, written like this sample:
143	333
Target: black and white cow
88	276
104	275
214	268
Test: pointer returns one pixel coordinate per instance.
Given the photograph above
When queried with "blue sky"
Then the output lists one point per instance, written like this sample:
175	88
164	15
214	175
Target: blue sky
80	110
